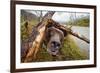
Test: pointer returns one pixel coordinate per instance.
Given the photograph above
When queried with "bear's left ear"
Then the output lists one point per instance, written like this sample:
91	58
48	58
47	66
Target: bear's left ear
48	33
49	30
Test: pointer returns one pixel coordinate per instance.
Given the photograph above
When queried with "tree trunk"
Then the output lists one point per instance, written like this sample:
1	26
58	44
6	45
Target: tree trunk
39	38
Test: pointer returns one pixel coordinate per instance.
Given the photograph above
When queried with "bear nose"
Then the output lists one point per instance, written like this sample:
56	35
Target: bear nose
55	44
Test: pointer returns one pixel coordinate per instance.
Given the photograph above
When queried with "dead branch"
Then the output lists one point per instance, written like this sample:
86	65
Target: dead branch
76	35
80	37
66	30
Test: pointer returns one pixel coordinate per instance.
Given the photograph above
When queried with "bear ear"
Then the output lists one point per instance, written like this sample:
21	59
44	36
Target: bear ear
48	34
65	33
49	31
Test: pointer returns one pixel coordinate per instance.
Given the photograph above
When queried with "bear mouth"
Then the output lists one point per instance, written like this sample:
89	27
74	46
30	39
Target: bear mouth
52	52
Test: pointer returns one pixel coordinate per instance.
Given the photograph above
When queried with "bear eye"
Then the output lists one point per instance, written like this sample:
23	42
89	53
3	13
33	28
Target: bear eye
51	33
52	44
58	44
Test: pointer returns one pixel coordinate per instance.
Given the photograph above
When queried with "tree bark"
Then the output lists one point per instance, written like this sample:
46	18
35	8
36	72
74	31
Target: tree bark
36	45
39	38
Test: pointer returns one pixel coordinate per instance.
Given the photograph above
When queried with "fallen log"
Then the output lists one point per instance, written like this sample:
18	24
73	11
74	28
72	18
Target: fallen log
36	45
41	27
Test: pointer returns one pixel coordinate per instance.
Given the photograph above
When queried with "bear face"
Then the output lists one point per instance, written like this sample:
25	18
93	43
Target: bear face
55	38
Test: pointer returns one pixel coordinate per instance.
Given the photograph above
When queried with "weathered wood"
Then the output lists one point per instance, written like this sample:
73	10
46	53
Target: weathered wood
39	38
48	15
36	45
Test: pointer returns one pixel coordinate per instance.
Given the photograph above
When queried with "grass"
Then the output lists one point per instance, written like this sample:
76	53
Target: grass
84	21
71	51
